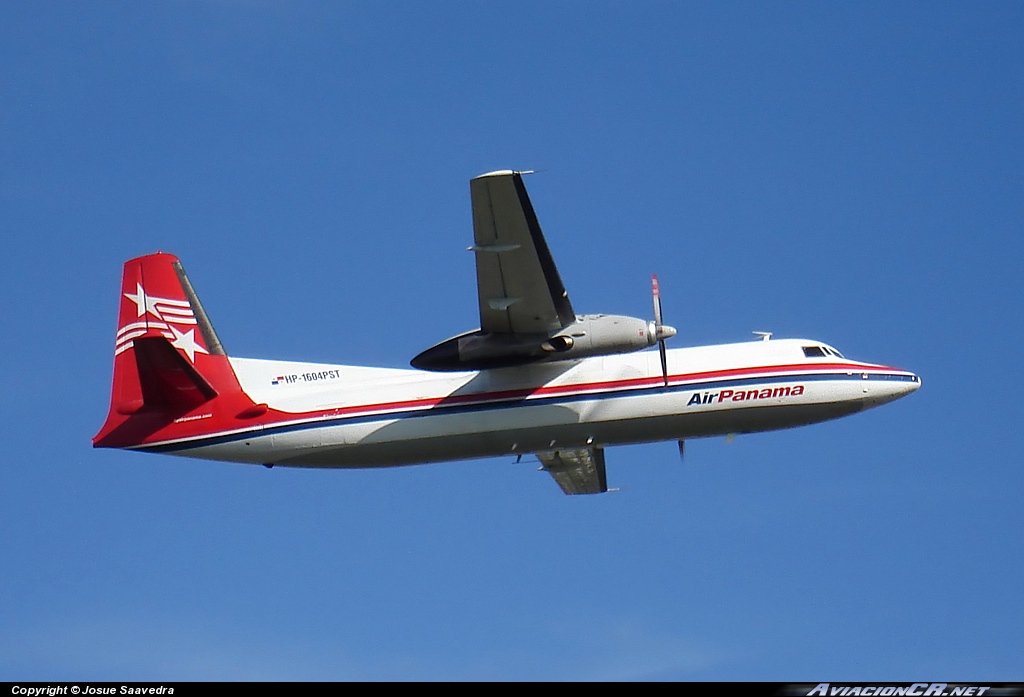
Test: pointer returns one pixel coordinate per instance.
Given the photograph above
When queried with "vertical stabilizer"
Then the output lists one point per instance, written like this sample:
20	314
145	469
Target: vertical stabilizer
172	378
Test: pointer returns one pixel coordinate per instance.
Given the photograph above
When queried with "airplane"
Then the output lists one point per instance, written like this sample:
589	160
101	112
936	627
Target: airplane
534	379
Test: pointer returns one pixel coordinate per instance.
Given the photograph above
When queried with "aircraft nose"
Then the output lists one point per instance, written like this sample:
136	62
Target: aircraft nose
908	386
886	390
915	385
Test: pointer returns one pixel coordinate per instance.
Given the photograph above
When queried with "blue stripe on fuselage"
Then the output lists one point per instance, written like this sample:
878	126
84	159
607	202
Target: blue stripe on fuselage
518	402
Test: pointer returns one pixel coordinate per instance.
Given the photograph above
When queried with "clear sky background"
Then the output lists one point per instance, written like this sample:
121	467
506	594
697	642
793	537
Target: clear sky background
850	172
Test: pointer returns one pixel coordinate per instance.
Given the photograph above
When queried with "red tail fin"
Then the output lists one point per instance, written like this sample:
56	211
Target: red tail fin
172	378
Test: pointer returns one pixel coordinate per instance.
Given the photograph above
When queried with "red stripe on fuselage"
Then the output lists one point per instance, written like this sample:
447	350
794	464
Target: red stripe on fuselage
602	386
275	417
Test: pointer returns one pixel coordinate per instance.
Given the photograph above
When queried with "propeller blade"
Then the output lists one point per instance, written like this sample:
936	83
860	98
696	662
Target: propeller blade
664	362
661	332
682	450
656	292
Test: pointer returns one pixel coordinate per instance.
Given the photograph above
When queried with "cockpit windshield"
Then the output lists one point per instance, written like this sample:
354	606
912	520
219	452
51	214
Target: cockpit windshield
821	351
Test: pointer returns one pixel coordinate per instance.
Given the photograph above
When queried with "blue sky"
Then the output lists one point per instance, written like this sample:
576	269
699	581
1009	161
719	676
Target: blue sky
850	172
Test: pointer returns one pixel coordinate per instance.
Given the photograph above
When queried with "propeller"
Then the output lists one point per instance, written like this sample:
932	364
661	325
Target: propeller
661	330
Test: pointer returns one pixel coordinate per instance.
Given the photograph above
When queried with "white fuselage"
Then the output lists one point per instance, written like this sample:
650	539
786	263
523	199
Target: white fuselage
343	416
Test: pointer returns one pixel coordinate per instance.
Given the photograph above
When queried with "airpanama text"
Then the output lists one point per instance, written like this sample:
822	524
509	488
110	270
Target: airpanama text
744	395
197	417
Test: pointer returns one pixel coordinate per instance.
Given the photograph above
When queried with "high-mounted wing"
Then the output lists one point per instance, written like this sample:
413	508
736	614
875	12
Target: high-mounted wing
525	313
520	291
577	471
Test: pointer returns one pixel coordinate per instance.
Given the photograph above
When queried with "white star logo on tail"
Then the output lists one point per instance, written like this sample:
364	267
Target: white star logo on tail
164	309
187	343
168	312
143	302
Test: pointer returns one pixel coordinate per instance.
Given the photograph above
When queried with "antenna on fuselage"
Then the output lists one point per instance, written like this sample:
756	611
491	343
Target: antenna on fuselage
764	335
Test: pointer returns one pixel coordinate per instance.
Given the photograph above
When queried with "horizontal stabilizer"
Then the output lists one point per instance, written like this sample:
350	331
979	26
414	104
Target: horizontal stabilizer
167	379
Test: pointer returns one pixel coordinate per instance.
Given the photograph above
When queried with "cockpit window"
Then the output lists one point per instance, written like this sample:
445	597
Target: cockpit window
814	351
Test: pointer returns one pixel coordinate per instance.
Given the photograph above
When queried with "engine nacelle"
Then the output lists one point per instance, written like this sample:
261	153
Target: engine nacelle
589	335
